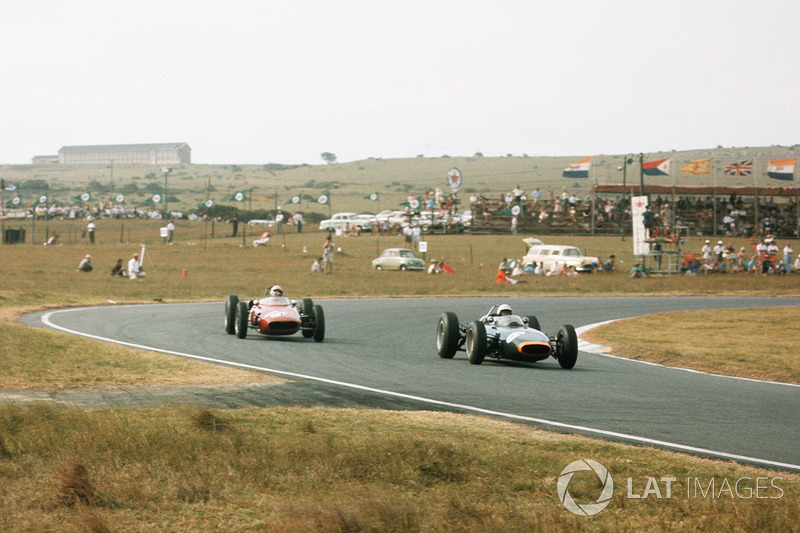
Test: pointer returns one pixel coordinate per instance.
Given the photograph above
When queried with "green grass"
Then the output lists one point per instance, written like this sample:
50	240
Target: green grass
181	468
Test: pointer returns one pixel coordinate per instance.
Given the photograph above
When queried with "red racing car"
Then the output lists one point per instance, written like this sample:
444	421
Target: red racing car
274	314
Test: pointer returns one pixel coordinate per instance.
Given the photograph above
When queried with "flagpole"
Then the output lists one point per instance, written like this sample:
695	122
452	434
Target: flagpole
714	204
3	209
755	196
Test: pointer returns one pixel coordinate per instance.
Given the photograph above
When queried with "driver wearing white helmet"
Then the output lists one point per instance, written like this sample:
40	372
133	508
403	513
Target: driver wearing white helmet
495	311
274	291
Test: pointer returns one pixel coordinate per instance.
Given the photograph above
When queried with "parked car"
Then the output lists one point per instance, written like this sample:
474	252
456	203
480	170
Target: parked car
398	259
567	256
346	221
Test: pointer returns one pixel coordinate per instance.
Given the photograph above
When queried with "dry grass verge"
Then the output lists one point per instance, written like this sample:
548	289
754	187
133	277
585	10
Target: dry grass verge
178	468
32	358
754	343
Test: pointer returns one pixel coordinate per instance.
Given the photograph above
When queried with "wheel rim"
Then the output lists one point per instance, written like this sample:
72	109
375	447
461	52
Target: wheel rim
440	336
470	343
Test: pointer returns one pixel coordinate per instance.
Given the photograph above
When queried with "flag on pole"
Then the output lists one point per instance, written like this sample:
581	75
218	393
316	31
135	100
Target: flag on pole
412	202
781	169
323	199
740	168
155	199
293	200
374	197
238	196
513	211
119	198
208	204
578	169
14	202
85	197
41	200
698	166
660	167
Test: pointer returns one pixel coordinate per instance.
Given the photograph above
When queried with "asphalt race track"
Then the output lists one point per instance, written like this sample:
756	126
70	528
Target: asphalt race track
382	353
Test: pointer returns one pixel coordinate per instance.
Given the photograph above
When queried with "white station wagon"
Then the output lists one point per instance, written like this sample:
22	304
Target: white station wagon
547	254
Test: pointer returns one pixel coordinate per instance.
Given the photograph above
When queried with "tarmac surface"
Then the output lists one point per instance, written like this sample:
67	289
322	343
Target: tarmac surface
382	354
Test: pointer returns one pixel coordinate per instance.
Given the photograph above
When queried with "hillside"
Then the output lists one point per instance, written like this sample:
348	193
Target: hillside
348	183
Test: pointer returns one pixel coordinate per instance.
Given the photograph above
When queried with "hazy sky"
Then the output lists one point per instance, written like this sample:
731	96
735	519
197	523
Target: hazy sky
265	81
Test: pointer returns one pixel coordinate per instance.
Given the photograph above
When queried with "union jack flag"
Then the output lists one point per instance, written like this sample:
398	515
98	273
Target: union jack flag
740	168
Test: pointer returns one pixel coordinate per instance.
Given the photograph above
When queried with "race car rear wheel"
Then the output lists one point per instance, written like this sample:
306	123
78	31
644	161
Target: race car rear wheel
319	323
476	342
231	302
567	346
447	335
533	322
242	314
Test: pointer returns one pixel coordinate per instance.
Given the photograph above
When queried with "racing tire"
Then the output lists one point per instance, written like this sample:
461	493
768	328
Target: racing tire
533	322
240	324
447	335
231	303
567	342
307	308
319	324
476	342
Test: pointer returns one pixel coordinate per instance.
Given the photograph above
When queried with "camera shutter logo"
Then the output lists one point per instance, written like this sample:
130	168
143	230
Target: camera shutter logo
586	509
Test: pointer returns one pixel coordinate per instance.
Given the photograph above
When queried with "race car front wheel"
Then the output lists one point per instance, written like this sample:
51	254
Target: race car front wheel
231	303
242	314
319	323
476	342
567	347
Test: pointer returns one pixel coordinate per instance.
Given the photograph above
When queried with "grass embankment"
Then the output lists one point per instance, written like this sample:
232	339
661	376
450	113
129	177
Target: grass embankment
753	343
352	470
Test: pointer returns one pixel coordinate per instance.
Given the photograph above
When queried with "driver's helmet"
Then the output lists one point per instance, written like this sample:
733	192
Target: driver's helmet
504	310
276	290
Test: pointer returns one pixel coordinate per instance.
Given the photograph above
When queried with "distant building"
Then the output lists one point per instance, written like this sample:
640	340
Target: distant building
148	154
44	159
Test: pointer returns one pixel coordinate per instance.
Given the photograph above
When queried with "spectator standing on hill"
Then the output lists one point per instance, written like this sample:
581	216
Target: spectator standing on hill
327	255
647	222
235	222
787	257
170	231
719	250
514	225
705	252
90	229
